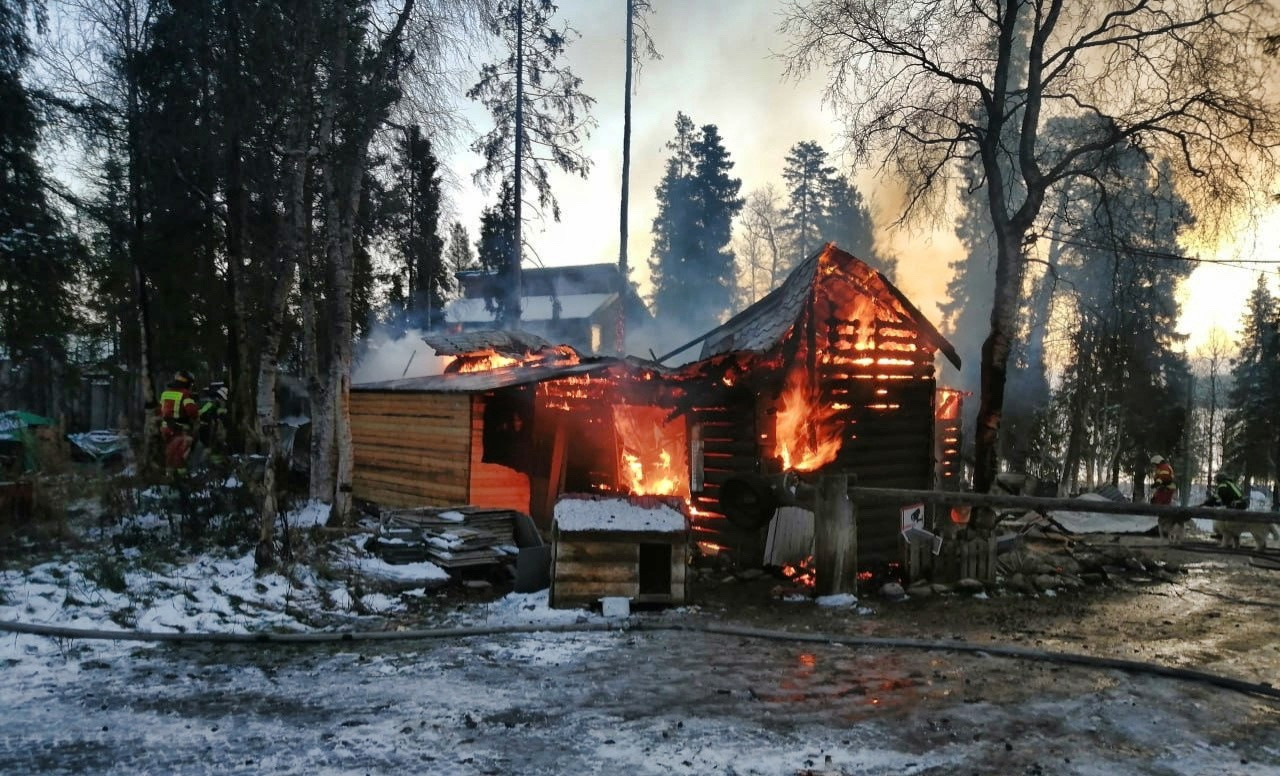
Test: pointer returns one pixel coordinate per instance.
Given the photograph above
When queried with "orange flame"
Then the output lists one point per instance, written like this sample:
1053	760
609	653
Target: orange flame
801	573
651	452
807	432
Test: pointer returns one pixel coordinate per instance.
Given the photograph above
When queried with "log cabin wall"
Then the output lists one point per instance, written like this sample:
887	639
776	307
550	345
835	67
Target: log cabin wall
887	393
725	422
411	449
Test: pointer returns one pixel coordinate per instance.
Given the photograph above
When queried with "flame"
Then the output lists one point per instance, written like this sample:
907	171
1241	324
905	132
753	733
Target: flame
948	404
651	452
485	362
807	432
801	573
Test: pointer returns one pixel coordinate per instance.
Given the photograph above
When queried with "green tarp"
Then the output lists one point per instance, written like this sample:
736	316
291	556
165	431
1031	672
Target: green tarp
15	426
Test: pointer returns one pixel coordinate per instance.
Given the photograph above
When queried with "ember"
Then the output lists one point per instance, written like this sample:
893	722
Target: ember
802	573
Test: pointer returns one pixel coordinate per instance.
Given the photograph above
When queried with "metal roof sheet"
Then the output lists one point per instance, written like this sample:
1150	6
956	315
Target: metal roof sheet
477	382
508	343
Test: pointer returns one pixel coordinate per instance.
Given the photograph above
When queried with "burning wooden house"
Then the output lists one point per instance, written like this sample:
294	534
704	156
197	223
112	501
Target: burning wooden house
512	422
834	368
635	548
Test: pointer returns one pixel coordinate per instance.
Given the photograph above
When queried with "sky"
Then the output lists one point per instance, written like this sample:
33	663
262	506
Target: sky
721	64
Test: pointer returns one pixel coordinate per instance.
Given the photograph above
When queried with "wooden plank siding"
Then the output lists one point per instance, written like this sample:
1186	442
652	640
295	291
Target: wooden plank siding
491	484
411	449
587	566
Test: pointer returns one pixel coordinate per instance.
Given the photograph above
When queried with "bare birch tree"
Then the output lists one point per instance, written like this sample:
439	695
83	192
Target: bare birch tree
925	84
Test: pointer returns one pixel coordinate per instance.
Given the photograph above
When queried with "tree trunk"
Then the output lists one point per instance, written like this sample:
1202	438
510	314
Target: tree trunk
514	291
995	354
272	333
626	179
321	453
241	399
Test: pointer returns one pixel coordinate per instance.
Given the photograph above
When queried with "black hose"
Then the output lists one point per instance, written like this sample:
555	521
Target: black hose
874	642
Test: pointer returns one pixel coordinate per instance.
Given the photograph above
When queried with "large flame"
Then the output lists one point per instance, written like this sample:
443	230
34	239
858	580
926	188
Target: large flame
484	360
651	452
807	435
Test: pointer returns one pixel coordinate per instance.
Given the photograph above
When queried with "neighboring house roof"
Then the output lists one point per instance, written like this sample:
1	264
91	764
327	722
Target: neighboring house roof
763	326
532	308
557	282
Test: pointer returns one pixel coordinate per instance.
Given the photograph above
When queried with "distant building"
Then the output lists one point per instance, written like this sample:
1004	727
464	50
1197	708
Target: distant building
576	305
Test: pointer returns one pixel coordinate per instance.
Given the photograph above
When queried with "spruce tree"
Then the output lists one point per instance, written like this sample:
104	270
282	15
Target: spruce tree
809	181
1251	423
848	224
497	239
691	266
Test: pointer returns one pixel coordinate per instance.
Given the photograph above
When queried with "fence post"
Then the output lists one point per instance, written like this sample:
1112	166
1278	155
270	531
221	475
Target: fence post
835	538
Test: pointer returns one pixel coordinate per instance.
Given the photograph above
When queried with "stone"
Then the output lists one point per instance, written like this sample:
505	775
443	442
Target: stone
920	590
941	588
1173	567
1089	561
1165	576
892	591
1046	581
1018	582
970	585
1134	564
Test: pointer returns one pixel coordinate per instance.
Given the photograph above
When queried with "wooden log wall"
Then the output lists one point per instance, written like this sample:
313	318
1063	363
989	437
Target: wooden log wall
411	449
888	392
728	420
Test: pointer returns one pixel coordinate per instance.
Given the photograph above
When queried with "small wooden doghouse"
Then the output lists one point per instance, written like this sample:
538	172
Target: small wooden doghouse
636	548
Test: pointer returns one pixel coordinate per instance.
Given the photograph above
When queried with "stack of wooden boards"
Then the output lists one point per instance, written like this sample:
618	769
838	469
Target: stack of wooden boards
453	538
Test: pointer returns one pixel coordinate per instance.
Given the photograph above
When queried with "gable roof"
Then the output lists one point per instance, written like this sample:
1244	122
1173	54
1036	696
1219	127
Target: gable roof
765	324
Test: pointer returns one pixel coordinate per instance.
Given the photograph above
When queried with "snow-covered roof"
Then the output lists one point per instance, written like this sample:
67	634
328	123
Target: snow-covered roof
576	513
532	308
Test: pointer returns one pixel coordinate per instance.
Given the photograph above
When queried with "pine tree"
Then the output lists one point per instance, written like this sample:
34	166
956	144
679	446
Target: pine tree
459	256
1251	430
38	258
692	266
809	181
848	223
540	117
498	235
415	195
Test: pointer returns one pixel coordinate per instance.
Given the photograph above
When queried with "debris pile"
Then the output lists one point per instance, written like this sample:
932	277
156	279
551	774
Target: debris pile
453	538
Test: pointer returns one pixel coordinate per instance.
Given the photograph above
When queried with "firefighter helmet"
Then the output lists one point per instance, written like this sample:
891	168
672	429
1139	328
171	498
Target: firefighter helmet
183	377
1156	460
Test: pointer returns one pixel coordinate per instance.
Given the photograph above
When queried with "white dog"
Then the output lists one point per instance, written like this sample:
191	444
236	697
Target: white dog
1230	531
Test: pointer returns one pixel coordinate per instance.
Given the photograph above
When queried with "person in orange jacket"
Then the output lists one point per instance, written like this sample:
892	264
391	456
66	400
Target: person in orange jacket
1163	487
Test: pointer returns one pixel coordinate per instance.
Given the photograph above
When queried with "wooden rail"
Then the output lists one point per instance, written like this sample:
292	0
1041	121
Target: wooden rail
861	494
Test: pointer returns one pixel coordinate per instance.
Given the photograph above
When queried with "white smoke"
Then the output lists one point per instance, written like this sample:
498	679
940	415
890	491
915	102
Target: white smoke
384	356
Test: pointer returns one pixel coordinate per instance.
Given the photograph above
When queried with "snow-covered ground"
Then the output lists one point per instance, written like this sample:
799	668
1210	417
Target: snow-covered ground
551	702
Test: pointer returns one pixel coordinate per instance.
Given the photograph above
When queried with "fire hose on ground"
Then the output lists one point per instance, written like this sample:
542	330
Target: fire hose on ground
1257	689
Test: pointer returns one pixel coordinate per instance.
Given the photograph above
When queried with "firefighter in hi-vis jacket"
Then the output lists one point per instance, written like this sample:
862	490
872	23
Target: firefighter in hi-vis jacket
1163	487
179	414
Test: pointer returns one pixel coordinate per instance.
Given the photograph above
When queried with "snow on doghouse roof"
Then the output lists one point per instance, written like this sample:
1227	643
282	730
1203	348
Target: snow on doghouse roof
586	513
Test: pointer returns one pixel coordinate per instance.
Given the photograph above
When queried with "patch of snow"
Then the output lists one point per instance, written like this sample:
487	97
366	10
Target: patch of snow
614	514
312	513
1094	522
377	568
530	609
452	516
840	599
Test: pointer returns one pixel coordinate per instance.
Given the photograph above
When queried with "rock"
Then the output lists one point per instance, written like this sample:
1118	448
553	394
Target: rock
892	590
1089	561
1046	581
1018	582
970	585
920	590
751	574
1134	564
941	588
1065	564
1173	567
1093	578
1165	576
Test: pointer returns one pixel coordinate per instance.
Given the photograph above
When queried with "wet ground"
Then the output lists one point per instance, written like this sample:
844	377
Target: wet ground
695	703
